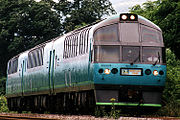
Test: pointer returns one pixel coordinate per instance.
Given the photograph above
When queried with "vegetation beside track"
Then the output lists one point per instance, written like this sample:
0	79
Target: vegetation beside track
3	104
171	94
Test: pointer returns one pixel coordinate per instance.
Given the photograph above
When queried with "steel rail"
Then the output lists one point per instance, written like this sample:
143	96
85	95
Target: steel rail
23	117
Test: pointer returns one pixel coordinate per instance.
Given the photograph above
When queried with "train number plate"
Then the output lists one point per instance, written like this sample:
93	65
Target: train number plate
128	71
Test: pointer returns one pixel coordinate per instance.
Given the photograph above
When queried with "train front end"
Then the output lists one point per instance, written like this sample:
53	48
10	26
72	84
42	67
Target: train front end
129	62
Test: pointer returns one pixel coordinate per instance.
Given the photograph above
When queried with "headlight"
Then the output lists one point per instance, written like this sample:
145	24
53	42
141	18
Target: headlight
132	17
128	17
155	72
107	71
124	17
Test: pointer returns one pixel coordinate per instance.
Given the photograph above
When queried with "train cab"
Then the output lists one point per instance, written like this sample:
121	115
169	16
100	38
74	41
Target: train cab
129	61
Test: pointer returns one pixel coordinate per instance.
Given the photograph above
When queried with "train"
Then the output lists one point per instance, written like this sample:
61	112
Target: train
117	61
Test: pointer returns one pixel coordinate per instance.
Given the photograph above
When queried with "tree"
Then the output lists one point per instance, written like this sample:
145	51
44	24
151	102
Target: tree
86	12
166	14
171	93
2	85
24	24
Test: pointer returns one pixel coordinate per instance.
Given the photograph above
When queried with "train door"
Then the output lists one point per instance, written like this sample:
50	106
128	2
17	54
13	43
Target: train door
22	70
69	82
51	70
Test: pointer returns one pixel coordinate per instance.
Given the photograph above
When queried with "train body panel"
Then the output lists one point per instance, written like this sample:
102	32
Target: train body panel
34	82
74	73
116	59
137	79
13	85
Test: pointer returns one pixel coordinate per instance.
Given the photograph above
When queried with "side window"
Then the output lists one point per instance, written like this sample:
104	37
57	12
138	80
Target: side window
35	58
150	35
87	39
70	45
12	65
76	45
68	49
83	43
107	34
73	44
76	41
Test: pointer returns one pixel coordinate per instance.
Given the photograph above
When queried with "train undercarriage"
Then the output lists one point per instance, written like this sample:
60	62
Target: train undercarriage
123	97
66	103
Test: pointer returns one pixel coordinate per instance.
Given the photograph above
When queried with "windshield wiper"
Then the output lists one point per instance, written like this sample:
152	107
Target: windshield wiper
157	60
135	60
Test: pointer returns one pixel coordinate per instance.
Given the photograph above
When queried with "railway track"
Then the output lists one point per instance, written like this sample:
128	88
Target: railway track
23	117
12	116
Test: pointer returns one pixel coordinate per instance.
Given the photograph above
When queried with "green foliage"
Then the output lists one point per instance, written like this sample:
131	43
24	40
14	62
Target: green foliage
173	77
3	104
105	111
100	111
86	11
171	93
114	113
24	24
166	14
81	25
2	85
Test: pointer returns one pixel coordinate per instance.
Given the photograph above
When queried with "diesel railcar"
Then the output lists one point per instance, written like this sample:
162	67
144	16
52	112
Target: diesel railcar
117	61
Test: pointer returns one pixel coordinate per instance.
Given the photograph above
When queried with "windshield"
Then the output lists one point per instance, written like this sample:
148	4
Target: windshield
107	54
151	54
131	54
123	42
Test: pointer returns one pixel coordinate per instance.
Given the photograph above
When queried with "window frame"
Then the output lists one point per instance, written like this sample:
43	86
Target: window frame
122	52
159	33
35	57
151	48
118	36
100	61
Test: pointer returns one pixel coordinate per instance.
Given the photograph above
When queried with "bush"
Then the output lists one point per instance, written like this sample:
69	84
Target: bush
2	85
3	104
3	100
171	93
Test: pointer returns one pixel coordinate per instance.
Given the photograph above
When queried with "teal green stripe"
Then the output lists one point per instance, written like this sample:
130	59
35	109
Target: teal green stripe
75	84
60	86
129	104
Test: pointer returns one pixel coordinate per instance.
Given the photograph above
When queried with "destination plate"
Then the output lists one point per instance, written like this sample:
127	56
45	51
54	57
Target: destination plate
131	72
